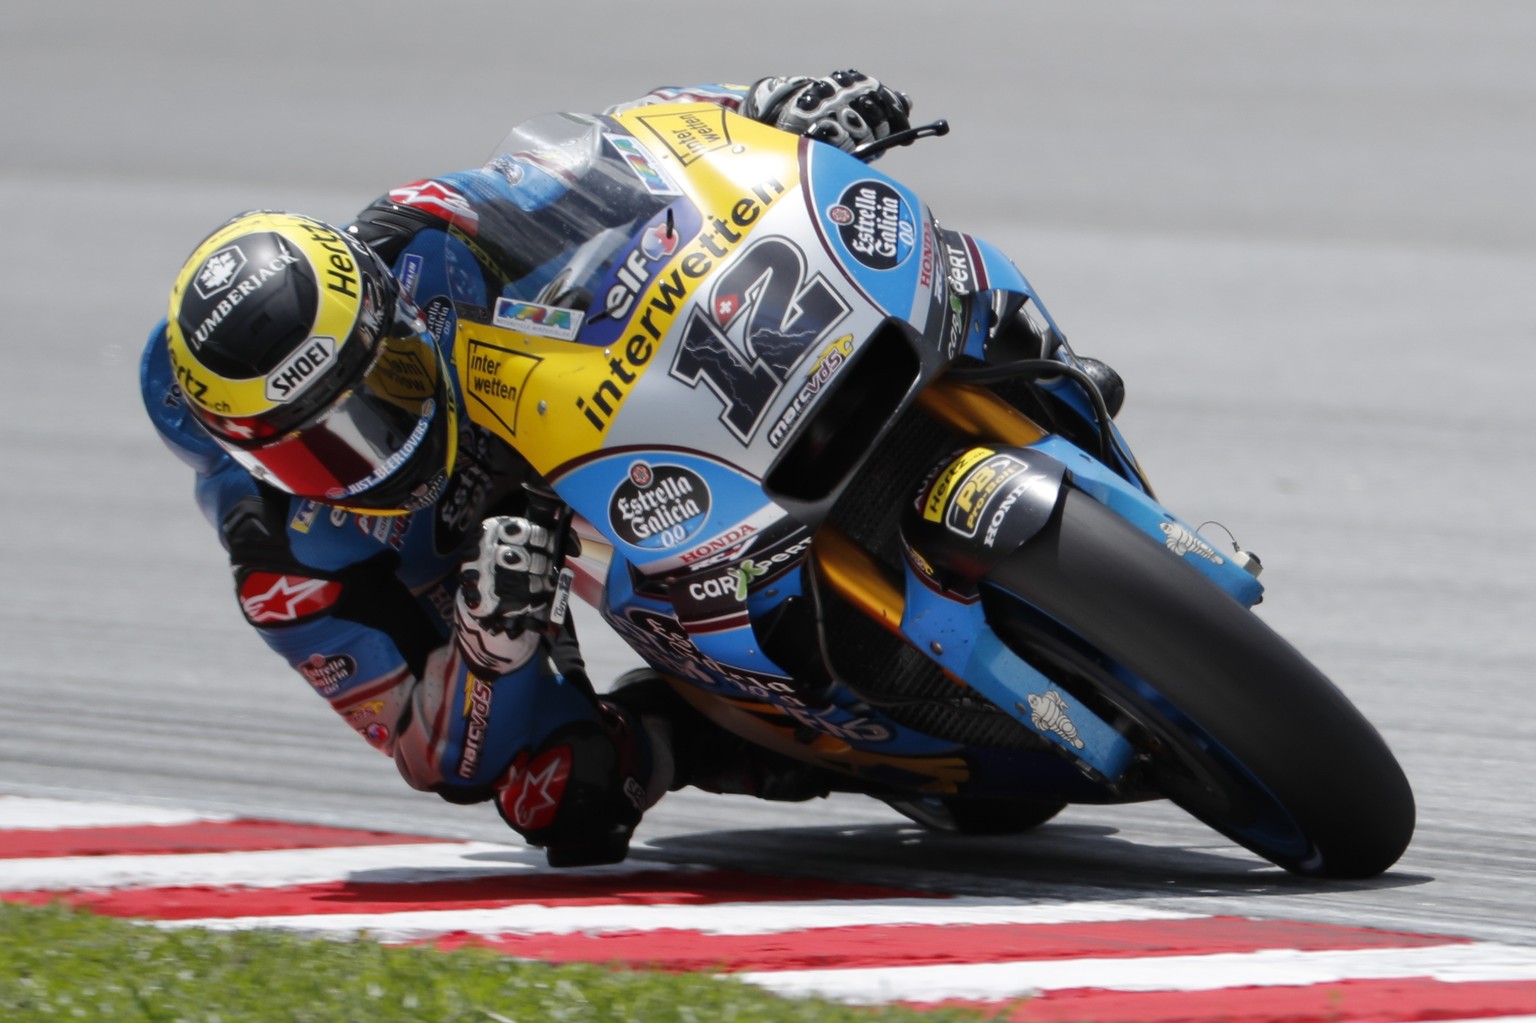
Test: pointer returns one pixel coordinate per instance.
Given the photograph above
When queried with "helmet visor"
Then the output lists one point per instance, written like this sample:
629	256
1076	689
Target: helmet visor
363	436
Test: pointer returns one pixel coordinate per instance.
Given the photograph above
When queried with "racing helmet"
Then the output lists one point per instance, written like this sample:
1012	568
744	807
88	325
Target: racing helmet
297	351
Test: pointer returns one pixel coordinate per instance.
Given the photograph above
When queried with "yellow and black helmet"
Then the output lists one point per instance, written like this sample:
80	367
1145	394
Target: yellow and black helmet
296	350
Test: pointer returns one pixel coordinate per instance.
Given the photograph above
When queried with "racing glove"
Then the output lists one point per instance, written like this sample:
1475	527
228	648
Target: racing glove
512	591
845	109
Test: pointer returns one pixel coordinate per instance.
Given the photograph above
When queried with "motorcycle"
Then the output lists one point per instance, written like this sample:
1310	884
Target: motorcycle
838	476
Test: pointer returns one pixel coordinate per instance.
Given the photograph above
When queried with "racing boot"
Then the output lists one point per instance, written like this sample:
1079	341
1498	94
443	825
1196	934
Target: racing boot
580	793
705	756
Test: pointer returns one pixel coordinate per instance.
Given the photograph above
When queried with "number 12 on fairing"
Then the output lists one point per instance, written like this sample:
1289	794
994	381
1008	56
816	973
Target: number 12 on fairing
763	317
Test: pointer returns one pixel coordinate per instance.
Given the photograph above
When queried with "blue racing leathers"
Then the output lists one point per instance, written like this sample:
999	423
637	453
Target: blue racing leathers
362	606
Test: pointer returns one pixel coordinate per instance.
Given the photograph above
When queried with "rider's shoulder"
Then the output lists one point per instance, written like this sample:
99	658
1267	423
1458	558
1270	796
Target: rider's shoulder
167	409
395	219
261	526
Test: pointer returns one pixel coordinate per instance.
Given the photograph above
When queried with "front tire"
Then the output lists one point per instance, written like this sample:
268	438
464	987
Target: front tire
1232	723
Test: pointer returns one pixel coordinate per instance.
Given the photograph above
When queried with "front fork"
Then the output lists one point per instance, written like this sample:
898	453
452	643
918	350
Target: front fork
974	510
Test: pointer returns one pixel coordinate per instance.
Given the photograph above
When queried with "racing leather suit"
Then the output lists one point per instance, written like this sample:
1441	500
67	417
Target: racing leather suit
362	606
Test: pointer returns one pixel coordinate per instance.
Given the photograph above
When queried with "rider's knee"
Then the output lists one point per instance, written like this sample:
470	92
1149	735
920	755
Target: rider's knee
581	791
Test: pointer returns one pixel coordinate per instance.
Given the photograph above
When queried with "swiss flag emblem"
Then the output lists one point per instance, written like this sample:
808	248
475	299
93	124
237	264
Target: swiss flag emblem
727	306
269	597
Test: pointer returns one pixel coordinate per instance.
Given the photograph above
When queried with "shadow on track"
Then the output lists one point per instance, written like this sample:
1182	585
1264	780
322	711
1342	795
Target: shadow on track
1058	860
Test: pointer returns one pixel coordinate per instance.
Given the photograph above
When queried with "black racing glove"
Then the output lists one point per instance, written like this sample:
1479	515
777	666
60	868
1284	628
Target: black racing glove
508	588
845	109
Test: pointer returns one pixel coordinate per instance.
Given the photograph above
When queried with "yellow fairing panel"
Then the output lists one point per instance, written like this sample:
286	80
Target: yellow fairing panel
557	400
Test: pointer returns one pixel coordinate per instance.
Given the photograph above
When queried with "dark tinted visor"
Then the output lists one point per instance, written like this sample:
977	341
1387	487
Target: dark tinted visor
365	434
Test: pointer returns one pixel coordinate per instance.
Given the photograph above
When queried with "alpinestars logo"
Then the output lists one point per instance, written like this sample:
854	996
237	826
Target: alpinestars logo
532	796
268	597
219	271
438	199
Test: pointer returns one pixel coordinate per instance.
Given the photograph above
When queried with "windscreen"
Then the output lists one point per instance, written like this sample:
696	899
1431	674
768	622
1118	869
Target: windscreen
577	190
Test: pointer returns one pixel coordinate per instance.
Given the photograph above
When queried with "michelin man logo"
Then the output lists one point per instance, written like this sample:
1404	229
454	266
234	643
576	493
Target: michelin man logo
1048	713
1181	542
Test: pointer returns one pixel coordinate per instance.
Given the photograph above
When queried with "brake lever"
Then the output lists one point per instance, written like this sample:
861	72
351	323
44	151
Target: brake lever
869	150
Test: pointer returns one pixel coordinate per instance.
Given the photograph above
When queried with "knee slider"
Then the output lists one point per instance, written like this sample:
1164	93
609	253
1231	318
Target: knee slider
577	794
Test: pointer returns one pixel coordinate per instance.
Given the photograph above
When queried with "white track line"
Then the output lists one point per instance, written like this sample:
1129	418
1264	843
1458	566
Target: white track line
1271	967
1480	1019
275	868
26	813
736	918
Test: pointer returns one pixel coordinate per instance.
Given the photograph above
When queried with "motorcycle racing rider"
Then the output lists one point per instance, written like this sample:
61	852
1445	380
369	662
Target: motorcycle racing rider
403	560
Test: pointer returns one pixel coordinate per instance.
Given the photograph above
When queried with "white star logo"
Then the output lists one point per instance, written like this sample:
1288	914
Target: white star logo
537	799
437	198
280	603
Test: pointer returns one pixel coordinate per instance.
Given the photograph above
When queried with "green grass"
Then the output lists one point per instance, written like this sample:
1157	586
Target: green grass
60	965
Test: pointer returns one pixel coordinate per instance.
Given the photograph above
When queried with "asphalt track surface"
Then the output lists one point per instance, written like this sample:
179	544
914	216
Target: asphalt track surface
1304	233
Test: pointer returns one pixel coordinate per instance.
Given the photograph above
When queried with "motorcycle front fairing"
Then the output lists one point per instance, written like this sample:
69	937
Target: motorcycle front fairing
671	315
706	326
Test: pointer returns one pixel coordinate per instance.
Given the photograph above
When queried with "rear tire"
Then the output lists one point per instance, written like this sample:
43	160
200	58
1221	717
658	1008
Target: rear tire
1233	724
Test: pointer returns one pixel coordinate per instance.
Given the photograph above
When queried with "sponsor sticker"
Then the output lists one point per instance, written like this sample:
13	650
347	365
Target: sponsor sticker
689	134
1048	713
410	274
721	547
659	507
640	161
875	223
666	644
438	199
405	371
666	296
532	795
933	505
365	720
477	720
832	359
384	529
439	314
231	294
295	373
968	499
267	597
998	517
658	242
1182	541
539	320
495	379
304	515
326	672
219	271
